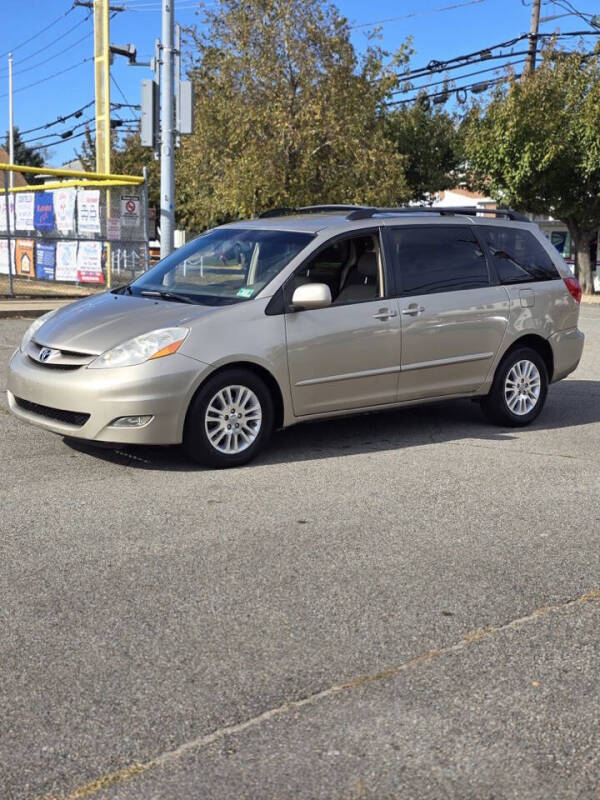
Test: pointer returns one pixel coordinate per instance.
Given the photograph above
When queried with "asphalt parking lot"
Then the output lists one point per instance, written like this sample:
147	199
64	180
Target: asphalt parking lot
398	605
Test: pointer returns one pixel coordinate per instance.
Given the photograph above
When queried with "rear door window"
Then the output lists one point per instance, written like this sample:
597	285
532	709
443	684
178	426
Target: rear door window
438	258
517	256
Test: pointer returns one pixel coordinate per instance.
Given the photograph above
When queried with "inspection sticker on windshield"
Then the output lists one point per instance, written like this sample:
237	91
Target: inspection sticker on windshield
245	292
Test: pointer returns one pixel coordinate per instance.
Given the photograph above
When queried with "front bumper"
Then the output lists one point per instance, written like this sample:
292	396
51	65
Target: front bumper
161	388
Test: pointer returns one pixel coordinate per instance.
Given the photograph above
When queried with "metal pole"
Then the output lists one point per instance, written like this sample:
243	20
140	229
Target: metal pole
533	37
146	221
11	130
8	241
167	165
177	82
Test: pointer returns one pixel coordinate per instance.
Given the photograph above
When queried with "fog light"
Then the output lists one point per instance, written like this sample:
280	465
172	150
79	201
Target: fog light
131	422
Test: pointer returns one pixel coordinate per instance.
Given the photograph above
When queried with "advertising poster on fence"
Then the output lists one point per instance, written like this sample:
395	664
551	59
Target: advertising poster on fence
64	210
66	261
89	262
43	212
88	211
24	208
24	259
130	210
11	205
45	260
4	256
113	229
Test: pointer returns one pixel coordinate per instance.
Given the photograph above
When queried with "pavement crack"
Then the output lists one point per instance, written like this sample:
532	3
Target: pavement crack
468	639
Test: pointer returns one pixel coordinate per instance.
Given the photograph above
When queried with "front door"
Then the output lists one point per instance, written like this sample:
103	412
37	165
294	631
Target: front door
453	318
343	357
347	355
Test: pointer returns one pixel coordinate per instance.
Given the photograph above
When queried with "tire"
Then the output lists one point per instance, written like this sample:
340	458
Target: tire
519	389
222	434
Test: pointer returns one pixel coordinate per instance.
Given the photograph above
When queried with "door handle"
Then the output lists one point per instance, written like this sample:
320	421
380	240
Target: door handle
385	313
413	310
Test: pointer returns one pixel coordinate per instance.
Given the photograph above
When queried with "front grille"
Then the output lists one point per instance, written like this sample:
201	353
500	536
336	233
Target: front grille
75	418
58	359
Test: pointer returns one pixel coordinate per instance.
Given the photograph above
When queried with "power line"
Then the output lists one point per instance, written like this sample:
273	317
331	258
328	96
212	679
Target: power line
459	77
485	54
49	77
479	86
39	33
77	113
58	141
51	58
60	38
73	136
456	89
126	104
568	6
63	134
414	14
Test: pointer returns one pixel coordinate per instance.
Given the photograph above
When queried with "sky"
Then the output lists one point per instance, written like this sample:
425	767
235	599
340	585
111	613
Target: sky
440	29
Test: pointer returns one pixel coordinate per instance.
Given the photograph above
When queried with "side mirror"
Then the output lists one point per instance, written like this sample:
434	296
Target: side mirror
311	296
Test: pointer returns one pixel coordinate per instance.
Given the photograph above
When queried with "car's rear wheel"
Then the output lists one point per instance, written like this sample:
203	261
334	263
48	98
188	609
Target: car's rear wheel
519	389
230	419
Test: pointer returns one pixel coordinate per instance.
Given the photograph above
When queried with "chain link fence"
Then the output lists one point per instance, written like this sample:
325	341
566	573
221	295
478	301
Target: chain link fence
72	239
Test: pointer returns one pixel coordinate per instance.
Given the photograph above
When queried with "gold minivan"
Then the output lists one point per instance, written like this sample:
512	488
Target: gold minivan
304	314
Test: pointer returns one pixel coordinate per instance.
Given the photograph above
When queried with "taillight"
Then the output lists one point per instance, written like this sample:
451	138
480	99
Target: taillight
574	288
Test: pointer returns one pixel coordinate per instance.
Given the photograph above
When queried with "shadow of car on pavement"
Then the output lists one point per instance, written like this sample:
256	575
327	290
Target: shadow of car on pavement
571	403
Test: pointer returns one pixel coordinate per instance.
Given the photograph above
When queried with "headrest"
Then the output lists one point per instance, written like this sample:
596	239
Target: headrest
367	265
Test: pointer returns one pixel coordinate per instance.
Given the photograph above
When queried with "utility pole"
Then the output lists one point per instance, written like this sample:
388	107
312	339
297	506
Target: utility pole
167	151
102	82
11	131
533	37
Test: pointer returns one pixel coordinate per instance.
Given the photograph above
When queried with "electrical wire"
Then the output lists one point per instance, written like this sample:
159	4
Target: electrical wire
452	91
58	120
485	54
62	135
460	77
456	89
568	6
39	33
49	77
58	141
414	14
51	58
72	137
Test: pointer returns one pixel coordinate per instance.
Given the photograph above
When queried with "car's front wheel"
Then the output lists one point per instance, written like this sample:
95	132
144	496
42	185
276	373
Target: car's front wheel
230	419
519	389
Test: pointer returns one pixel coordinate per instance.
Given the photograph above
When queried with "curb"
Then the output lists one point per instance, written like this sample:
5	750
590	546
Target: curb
15	309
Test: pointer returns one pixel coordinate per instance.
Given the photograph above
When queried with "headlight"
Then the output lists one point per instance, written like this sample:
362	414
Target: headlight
35	326
156	344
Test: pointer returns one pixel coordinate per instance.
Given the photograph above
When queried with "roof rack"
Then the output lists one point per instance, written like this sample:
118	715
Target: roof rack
471	211
285	210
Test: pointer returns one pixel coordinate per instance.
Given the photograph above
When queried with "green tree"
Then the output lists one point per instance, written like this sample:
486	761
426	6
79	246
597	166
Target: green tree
286	114
536	146
431	144
128	157
24	155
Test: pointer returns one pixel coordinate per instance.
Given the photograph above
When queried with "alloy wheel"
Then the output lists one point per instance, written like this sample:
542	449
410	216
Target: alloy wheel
233	419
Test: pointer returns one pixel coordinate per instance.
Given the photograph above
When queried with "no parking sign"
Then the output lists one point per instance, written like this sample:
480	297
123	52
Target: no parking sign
130	210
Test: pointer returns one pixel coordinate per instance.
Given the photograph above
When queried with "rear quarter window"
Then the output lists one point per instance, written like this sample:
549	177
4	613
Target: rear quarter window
517	256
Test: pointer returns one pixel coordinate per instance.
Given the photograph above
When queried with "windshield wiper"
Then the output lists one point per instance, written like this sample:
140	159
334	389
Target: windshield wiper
178	298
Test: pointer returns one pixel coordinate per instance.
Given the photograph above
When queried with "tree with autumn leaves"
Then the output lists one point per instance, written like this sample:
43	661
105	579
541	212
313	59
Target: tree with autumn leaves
535	146
286	113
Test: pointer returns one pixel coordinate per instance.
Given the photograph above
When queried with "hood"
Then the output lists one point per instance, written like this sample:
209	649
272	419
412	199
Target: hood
98	323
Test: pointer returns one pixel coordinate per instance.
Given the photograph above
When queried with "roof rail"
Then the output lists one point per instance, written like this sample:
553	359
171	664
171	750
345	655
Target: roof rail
319	209
472	211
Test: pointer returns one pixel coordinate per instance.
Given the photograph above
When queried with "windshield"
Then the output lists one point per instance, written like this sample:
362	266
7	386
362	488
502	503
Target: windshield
224	266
